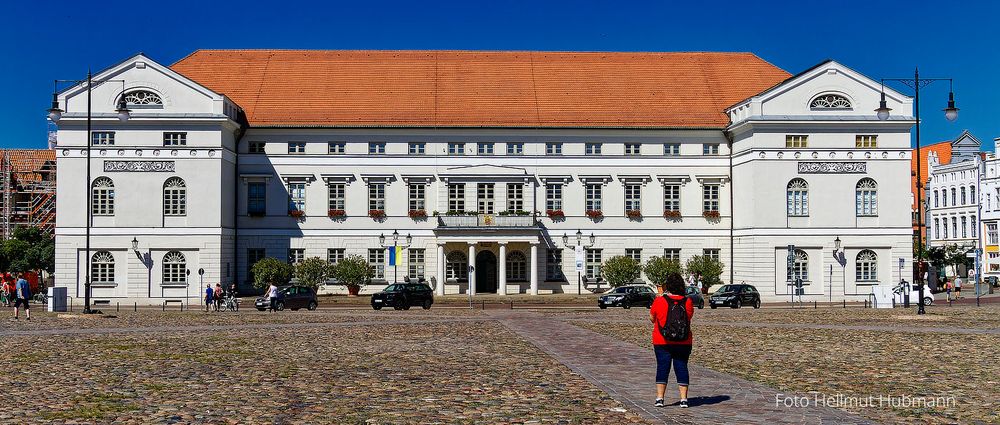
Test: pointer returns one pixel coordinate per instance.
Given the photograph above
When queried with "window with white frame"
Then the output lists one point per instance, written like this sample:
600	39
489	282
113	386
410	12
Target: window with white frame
972	195
830	101
335	255
336	148
944	196
965	227
634	253
485	198
296	147
710	149
174	268
515	197
553	196
102	138
800	267
713	253
517	267
672	254
553	148
515	148
142	98
174	139
633	149
296	255
417	148
456	197
866	194
671	197
592	149
944	228
937	228
254	146
102	199
174	197
991	234
337	195
376	258
415	263
796	141
553	265
484	148
797	194
936	199
102	268
296	196
671	149
592	265
710	197
457	266
963	198
633	197
866	266
376	148
866	141
456	148
972	226
593	196
418	199
954	227
954	199
376	196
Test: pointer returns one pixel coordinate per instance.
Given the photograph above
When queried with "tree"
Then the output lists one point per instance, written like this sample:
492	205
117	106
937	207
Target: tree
955	256
708	268
30	250
271	270
16	252
621	270
313	271
353	272
658	268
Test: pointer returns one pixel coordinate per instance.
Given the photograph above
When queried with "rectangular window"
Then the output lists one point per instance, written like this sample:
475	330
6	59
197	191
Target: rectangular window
553	265
256	147
336	148
103	198
710	149
965	225
334	255
418	200
553	148
253	256
515	197
515	148
944	228
592	265
991	233
338	200
936	199
256	198
972	226
964	200
633	149
418	148
634	253
415	263
175	139
712	253
456	197
937	228
102	138
376	148
672	254
633	197
866	141
553	196
376	196
296	196
484	198
796	141
671	149
376	259
671	197
593	201
710	197
592	149
456	148
296	255
296	147
174	198
485	148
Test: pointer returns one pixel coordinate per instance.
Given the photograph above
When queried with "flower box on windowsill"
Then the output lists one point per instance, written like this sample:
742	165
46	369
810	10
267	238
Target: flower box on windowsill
335	214
376	214
633	214
711	215
514	213
255	213
555	214
595	214
418	214
296	213
672	214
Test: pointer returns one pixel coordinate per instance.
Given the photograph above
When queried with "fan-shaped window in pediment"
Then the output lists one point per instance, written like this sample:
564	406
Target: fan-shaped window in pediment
830	101
143	98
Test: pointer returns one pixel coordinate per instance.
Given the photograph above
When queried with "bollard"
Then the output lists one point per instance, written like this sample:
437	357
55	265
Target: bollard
511	304
135	306
814	305
484	305
118	307
845	303
163	306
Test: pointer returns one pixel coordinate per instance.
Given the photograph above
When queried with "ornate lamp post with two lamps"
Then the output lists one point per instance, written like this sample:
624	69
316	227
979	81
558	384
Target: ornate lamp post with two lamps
395	244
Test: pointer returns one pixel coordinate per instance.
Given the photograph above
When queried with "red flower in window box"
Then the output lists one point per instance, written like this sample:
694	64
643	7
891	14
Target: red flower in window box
296	213
595	214
377	214
671	214
336	213
417	214
711	215
633	214
555	214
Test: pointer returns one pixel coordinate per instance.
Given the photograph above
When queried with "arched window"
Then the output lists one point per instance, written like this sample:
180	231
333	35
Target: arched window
866	194
944	229
458	266
800	267
517	267
954	199
936	199
798	198
866	266
102	268
830	101
962	192
174	269
937	228
142	97
174	197
972	195
102	200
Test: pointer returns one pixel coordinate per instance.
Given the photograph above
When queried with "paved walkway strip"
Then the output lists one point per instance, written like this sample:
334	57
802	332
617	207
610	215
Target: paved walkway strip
915	329
625	372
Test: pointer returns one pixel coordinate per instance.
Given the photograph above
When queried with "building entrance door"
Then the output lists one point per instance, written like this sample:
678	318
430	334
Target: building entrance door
486	272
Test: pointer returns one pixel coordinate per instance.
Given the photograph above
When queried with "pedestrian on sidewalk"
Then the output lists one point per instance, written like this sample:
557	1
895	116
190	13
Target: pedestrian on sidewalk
672	339
209	293
22	293
272	296
958	287
947	288
217	296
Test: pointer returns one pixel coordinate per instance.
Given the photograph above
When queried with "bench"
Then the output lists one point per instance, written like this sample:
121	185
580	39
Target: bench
165	302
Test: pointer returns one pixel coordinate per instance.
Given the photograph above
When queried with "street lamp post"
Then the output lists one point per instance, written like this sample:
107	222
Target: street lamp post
578	248
951	114
55	114
838	255
395	244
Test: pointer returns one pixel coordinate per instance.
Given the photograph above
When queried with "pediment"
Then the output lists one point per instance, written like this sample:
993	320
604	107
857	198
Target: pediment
484	170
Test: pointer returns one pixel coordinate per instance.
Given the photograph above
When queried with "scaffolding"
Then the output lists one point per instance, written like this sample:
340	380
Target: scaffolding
28	187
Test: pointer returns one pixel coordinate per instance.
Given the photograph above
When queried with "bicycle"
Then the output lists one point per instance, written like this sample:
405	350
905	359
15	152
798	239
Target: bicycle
41	298
230	303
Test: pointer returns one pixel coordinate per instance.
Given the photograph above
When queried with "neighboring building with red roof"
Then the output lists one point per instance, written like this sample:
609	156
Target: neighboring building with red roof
27	189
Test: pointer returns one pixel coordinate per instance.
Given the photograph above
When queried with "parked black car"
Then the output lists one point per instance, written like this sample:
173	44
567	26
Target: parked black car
292	297
401	296
735	296
627	297
694	293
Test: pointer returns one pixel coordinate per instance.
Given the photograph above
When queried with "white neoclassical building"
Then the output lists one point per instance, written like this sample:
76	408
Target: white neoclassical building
481	162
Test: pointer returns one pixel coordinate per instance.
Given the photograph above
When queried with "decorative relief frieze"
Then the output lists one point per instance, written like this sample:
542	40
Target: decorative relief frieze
833	167
139	166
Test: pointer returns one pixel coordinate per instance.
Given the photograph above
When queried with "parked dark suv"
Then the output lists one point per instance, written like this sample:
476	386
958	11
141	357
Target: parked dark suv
401	296
292	297
627	297
735	296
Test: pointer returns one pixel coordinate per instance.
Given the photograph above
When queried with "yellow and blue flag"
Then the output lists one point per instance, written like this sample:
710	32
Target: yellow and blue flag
395	254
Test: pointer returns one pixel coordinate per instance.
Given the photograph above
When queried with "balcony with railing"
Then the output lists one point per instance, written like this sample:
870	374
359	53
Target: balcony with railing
487	221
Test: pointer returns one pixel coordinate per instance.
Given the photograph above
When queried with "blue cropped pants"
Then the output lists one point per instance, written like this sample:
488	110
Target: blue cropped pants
672	353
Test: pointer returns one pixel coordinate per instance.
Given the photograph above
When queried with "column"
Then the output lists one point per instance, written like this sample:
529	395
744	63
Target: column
533	260
472	269
502	263
442	264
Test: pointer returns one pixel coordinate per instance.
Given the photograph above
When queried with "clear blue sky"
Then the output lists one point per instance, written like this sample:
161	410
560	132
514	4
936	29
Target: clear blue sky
46	40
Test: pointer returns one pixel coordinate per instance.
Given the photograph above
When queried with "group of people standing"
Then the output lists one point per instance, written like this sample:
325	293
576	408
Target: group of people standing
214	297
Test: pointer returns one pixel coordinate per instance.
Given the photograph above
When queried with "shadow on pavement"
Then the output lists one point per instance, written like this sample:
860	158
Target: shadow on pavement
704	401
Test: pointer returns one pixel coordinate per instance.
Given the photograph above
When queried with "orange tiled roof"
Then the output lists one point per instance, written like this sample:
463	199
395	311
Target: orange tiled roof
481	89
943	150
25	162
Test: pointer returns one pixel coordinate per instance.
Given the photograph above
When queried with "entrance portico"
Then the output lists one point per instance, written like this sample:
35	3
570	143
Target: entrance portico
488	254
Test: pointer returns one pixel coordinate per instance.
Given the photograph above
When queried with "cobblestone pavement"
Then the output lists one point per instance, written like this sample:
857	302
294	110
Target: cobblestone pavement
625	371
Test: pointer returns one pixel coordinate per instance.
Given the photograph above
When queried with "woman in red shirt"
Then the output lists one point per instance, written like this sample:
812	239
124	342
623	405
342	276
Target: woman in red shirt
667	352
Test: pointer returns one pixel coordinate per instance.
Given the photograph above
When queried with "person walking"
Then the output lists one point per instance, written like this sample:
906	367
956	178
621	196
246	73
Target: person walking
22	293
947	288
958	287
209	293
217	297
272	296
672	339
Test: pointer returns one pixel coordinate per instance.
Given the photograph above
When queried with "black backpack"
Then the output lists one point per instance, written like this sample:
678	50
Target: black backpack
677	326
